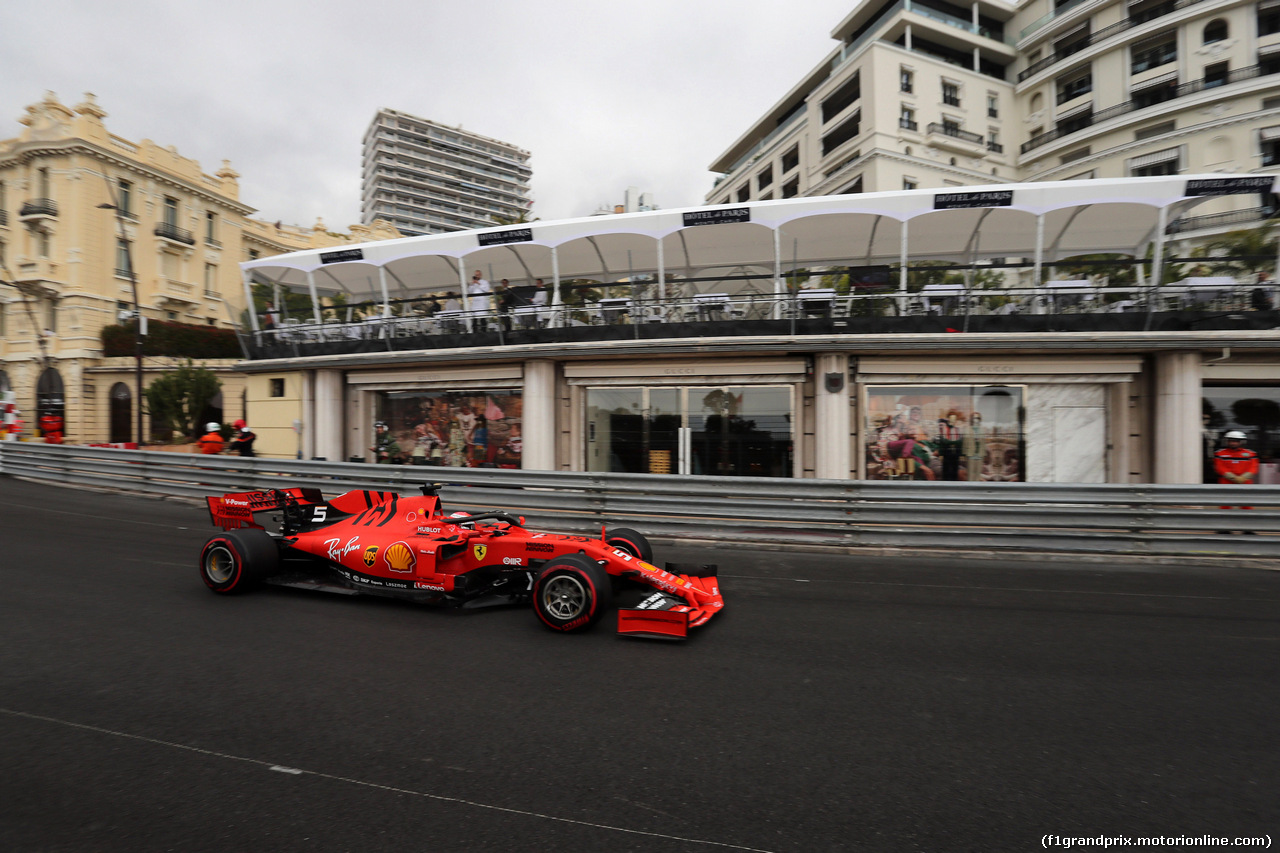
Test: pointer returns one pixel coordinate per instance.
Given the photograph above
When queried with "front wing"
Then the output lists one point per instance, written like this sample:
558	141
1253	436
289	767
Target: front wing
679	603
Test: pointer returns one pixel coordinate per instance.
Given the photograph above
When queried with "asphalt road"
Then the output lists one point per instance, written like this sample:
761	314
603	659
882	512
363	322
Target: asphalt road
839	703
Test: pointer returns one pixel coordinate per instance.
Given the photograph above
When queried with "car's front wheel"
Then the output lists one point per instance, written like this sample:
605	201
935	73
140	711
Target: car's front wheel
571	593
631	541
237	560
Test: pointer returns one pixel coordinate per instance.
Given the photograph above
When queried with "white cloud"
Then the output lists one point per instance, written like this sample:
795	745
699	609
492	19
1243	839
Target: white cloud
603	96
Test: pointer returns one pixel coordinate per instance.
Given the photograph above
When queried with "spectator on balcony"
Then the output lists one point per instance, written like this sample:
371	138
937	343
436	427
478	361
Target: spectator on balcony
271	319
479	294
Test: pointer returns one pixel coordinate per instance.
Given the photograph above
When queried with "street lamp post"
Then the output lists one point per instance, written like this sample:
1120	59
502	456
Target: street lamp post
137	309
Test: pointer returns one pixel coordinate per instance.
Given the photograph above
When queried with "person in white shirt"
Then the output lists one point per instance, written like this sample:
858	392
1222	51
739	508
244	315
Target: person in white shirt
478	293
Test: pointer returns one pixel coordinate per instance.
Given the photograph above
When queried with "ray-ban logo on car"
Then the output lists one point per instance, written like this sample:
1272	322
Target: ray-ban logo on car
337	552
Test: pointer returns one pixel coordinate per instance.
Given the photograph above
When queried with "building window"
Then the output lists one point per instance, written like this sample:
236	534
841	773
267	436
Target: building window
846	130
277	387
972	433
910	183
1270	145
1158	163
1154	52
124	198
123	265
950	94
906	81
791	159
843	97
743	431
1074	86
1268	20
1154	130
765	178
1250	408
907	119
171	211
744	192
211	228
1215	30
993	105
791	188
1155	94
1216	74
460	429
210	279
1076	121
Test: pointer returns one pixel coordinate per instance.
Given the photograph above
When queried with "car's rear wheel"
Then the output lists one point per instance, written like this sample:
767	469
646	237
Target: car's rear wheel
237	560
631	541
571	593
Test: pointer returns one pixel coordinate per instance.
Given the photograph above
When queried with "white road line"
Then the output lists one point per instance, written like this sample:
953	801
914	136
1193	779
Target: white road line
279	768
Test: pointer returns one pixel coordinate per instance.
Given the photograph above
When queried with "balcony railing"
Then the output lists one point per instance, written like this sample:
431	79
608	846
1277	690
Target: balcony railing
1077	305
1180	91
174	233
4	217
908	124
1100	36
38	207
956	133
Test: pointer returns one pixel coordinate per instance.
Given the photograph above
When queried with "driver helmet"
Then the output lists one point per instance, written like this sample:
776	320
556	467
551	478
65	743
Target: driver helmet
1235	433
240	424
212	426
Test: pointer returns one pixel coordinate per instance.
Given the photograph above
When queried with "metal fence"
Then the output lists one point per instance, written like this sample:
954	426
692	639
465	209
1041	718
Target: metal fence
1160	520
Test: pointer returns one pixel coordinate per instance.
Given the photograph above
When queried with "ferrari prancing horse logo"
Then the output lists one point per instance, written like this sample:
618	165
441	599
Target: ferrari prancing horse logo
480	551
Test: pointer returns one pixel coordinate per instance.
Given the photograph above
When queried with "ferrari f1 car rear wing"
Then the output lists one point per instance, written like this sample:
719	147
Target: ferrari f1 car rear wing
236	510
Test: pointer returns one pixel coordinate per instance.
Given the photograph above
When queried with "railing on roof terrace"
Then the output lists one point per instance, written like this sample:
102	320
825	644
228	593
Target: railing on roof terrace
684	310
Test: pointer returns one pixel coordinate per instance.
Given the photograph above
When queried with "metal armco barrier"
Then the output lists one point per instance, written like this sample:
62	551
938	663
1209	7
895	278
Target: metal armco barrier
1116	519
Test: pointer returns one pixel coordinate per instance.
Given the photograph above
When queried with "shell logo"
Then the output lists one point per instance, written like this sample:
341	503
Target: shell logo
399	557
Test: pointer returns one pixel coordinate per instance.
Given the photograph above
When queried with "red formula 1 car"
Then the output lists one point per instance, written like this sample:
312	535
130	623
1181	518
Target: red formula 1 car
383	543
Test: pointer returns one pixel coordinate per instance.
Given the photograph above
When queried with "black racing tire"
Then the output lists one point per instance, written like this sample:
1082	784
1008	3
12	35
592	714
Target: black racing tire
631	541
236	561
571	593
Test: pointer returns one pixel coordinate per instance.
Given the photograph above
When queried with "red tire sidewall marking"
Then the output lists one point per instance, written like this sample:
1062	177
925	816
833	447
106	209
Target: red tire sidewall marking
235	559
585	617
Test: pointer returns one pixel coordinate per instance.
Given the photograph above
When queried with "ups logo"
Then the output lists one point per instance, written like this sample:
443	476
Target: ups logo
370	555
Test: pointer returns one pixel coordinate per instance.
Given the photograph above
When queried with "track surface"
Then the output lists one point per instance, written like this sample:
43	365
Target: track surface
839	703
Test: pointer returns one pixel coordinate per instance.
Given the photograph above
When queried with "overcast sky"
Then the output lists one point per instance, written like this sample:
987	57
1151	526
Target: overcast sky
603	95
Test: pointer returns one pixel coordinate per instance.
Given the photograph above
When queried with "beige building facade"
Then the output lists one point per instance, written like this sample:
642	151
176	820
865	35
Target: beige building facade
83	214
928	94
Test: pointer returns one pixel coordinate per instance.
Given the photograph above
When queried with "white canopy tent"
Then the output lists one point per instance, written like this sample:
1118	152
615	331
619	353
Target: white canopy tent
1045	222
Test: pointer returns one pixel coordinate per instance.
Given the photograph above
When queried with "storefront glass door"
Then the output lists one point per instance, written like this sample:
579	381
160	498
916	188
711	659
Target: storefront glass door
743	431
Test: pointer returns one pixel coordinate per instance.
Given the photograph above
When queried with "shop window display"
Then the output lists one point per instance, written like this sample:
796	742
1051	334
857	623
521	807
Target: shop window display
1255	411
459	429
970	433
